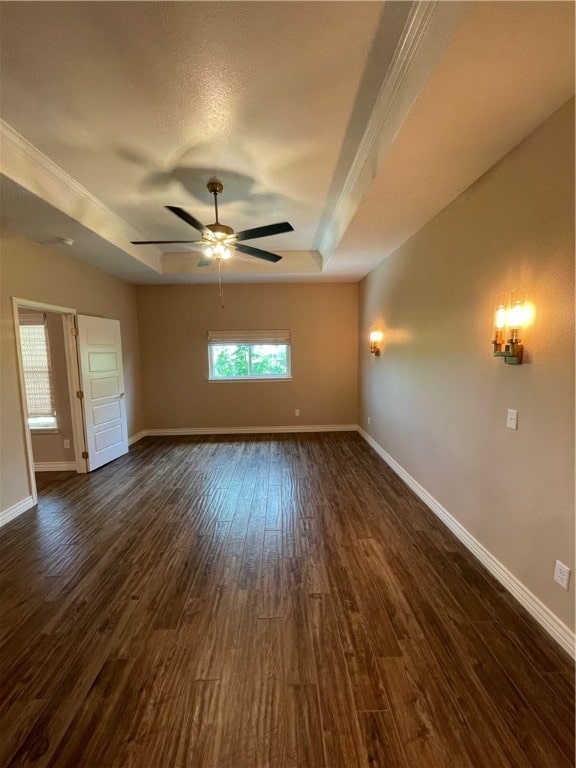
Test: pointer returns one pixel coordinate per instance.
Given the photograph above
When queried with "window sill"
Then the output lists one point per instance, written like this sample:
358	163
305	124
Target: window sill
249	378
44	430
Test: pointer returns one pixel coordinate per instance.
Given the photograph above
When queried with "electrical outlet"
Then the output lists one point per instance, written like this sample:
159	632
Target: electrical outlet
66	444
297	412
369	420
562	574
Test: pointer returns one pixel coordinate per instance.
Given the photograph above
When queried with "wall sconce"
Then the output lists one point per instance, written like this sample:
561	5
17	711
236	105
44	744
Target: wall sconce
508	320
375	341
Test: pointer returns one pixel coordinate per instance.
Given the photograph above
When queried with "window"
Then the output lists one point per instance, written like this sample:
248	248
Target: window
37	371
248	355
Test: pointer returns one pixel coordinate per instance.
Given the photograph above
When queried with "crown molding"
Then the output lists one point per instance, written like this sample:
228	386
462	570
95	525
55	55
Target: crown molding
26	165
426	32
19	153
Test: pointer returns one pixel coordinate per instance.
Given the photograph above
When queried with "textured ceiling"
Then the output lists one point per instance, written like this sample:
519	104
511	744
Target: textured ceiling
355	121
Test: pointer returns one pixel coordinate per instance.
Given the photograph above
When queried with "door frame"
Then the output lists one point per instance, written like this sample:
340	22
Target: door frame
73	376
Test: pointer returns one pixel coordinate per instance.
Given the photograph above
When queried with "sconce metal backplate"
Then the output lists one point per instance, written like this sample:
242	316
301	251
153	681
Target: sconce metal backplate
511	352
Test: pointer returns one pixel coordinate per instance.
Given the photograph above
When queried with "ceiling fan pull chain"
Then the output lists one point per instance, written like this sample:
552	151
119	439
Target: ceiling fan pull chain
220	286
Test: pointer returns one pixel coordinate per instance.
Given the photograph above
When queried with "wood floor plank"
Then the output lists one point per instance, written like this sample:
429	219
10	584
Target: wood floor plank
556	717
418	736
302	745
380	603
541	750
340	731
562	687
271	603
363	672
453	714
83	742
441	649
17	721
298	646
261	696
382	745
263	600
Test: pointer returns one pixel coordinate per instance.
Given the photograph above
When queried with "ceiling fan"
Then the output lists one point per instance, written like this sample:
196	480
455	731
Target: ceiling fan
219	241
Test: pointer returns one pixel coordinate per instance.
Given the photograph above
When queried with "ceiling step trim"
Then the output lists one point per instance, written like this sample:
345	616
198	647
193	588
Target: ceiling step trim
426	33
26	165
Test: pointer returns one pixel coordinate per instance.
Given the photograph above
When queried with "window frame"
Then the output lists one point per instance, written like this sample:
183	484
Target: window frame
249	339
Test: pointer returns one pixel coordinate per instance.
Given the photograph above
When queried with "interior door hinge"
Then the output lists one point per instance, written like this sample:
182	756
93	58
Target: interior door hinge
80	395
85	455
74	331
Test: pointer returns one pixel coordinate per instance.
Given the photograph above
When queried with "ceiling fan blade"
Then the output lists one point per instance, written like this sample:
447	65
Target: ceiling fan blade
187	217
270	229
258	253
162	242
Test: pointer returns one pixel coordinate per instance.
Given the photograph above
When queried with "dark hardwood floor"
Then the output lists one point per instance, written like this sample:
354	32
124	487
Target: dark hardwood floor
242	602
45	479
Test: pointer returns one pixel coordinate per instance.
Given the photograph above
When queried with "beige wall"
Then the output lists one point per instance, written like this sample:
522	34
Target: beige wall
438	399
174	321
37	273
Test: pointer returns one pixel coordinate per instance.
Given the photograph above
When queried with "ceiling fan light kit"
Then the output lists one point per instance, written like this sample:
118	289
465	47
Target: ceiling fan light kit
219	242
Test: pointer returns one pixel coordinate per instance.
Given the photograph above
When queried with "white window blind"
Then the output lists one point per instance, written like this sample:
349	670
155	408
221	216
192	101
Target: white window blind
35	346
249	337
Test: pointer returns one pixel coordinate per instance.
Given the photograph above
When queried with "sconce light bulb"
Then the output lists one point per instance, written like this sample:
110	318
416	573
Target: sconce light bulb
516	319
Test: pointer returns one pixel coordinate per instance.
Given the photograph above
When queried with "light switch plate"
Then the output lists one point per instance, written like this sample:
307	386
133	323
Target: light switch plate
512	419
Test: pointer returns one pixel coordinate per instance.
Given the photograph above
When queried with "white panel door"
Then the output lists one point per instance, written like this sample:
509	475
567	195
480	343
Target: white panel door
102	382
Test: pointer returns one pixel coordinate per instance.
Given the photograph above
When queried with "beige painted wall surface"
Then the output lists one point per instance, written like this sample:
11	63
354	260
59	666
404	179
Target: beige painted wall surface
49	447
438	399
174	321
38	273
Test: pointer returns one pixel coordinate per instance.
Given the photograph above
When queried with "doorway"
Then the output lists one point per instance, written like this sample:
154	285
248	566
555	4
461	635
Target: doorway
52	413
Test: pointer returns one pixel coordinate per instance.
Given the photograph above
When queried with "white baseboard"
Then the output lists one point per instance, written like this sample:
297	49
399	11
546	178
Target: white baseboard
54	466
249	430
535	607
138	436
16	509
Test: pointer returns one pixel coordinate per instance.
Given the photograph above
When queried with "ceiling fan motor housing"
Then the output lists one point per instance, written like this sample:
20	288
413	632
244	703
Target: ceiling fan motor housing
215	187
221	231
